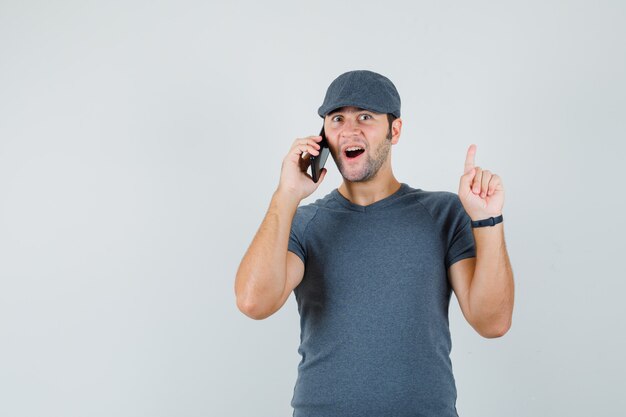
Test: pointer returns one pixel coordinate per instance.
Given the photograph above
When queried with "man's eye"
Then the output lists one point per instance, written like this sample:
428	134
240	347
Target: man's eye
366	116
336	118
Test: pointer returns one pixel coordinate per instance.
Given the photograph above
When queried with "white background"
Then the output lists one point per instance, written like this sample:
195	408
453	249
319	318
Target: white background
140	143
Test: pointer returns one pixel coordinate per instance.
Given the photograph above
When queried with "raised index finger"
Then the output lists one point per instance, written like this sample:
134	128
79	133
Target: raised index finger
469	159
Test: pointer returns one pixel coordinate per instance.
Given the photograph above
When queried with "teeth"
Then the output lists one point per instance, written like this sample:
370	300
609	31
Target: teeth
354	148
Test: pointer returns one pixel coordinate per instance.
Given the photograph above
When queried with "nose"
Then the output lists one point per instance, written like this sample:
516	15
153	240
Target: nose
349	128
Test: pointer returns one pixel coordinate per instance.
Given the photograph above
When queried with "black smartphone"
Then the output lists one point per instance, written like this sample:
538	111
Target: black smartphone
317	162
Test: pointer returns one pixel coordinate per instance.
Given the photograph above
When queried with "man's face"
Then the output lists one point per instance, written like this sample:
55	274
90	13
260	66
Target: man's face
359	141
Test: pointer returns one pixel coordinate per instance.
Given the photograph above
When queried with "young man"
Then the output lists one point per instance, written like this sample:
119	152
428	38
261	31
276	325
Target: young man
373	264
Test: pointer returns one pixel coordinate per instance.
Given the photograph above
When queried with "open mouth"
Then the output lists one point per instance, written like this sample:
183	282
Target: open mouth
354	151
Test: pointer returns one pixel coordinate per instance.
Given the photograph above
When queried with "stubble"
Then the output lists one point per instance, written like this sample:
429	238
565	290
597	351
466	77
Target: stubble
371	166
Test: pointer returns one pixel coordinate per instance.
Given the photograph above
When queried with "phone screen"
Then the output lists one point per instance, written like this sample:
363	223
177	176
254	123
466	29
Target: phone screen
317	162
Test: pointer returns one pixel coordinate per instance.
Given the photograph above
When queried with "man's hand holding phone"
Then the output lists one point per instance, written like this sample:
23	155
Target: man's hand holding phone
294	179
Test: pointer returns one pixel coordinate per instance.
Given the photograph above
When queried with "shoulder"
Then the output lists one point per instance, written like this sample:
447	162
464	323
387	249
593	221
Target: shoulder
308	210
435	201
305	213
444	207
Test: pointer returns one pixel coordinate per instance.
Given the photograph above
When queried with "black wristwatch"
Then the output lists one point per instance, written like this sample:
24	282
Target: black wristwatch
491	221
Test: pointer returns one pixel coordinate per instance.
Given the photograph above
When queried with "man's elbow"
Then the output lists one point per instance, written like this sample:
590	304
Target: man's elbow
249	304
494	330
253	310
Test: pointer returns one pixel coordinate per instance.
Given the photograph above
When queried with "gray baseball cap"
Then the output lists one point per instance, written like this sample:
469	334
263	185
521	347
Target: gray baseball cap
364	89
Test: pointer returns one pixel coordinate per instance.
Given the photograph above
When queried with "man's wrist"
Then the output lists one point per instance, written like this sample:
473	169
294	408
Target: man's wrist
286	197
491	221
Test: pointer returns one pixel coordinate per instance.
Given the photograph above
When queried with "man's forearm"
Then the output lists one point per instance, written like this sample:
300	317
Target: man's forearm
492	288
261	275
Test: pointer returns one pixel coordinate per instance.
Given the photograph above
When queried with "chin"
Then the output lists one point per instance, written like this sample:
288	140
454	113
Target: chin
358	177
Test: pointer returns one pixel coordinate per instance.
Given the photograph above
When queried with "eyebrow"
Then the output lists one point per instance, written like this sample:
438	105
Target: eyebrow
358	110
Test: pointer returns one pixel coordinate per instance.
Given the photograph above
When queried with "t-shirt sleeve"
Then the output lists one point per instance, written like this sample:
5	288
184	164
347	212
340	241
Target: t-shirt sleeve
461	238
297	235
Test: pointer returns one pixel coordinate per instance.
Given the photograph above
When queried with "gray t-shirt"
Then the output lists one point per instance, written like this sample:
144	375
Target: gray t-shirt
373	304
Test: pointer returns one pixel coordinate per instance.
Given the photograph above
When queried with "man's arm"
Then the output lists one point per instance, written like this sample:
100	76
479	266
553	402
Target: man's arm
268	272
262	275
484	285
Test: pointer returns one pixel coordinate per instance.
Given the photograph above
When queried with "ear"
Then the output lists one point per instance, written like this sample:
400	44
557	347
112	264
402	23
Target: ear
396	129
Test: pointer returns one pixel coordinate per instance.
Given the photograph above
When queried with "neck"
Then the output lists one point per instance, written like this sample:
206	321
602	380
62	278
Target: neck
368	192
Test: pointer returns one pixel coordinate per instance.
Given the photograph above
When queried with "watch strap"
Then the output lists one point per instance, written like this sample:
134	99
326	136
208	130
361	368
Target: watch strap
491	221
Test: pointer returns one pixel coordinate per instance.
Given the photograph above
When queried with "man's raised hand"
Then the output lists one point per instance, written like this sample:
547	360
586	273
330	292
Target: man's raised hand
294	178
481	192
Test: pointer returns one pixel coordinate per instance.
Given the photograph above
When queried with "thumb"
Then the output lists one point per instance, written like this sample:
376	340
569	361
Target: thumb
322	175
